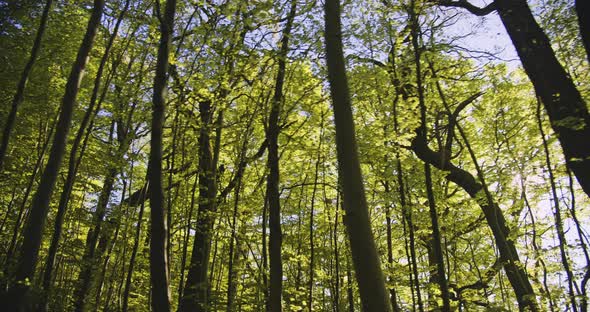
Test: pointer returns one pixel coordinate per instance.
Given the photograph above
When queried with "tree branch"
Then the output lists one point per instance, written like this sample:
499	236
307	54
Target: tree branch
464	4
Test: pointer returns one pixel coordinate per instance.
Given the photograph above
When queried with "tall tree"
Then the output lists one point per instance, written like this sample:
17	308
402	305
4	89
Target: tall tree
16	299
74	161
19	96
159	273
273	179
567	110
194	297
438	275
367	266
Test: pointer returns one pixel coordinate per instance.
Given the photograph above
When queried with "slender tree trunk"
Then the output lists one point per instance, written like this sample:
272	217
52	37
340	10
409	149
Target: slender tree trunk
234	245
233	256
336	256
159	227
440	276
557	215
22	207
264	268
19	96
508	254
349	289
16	300
186	239
74	161
90	259
536	249
111	246
272	186
581	236
311	222
129	276
388	213
365	257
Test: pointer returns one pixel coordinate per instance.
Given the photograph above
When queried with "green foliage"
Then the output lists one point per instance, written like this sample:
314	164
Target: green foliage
225	52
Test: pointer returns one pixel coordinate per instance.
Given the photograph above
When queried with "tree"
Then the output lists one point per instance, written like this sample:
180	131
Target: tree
362	244
563	102
159	228
272	184
19	96
16	299
438	162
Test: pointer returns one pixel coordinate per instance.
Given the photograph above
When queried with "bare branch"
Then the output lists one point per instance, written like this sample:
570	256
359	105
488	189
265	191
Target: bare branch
468	6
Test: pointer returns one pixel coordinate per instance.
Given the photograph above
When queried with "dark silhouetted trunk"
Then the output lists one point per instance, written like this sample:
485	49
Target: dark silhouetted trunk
493	214
565	107
16	300
583	12
129	276
567	110
195	293
272	185
90	259
367	266
159	228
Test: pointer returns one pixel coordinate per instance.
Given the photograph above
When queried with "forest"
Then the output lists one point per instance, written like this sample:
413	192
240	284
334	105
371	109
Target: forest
294	155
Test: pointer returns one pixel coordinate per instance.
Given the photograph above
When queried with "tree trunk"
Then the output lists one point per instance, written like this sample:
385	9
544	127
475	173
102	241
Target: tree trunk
583	11
311	223
159	227
494	216
19	96
565	107
10	261
187	239
557	214
129	276
388	213
272	186
196	287
17	300
365	257
74	162
232	272
90	260
438	275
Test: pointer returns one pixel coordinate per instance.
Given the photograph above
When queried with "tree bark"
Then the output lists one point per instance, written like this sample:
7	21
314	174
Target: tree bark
374	296
565	107
16	300
194	297
159	227
19	96
272	185
583	12
90	259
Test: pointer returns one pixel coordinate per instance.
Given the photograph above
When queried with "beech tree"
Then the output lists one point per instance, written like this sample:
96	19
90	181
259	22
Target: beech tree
293	156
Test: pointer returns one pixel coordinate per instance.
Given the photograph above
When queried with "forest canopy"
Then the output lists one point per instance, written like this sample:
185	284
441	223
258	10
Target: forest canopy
294	155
